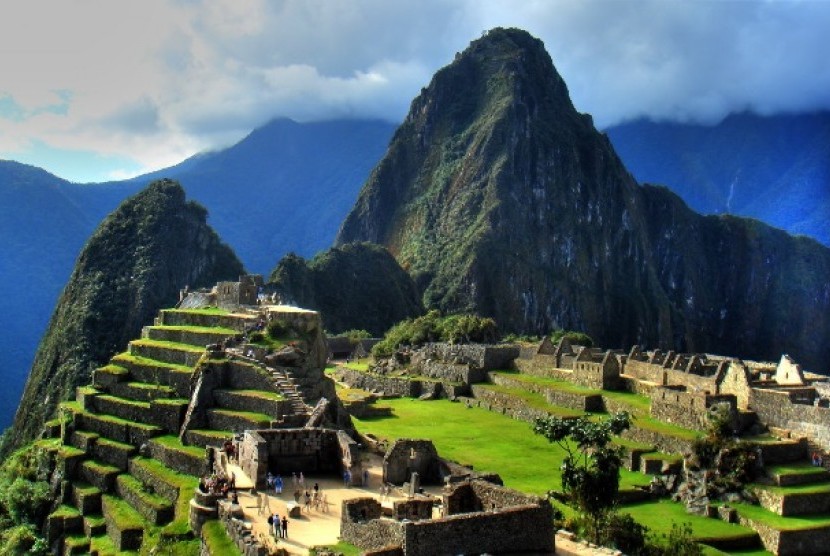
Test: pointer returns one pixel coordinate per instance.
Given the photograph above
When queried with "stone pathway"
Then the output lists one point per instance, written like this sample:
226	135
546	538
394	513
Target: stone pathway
314	528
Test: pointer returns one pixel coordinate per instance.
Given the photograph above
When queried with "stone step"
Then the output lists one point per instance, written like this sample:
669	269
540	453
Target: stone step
83	440
257	401
151	371
190	460
122	408
86	498
109	375
157	476
200	336
797	474
237	421
206	437
94	525
154	508
113	452
75	544
141	391
795	500
168	352
125	526
115	428
66	520
174	317
98	474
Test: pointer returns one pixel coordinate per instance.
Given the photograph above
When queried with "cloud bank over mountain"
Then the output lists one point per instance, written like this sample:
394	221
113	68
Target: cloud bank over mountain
95	89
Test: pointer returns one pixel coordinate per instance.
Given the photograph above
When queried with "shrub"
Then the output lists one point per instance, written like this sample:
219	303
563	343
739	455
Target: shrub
576	338
276	329
432	327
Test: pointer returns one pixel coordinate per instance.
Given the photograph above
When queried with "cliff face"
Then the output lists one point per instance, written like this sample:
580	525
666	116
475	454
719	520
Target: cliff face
356	286
498	197
133	265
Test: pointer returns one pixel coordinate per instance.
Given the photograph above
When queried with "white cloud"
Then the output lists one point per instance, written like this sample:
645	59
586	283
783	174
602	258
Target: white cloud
156	81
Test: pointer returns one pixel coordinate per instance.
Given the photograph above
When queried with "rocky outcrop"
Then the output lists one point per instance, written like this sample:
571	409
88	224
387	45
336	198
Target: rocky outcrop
355	287
499	198
135	263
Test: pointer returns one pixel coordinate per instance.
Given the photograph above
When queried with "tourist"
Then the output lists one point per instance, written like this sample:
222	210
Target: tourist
274	521
284	527
316	488
346	478
366	477
278	484
307	505
302	480
294	480
297	495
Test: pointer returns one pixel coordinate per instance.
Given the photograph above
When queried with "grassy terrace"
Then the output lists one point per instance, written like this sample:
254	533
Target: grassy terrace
809	488
533	400
185	483
169	345
401	375
206	329
356	366
202	311
147	362
173	443
262	394
792	523
658	516
552	383
649	423
217	539
638	404
804	468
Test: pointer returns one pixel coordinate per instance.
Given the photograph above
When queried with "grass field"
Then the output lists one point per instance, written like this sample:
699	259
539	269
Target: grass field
527	462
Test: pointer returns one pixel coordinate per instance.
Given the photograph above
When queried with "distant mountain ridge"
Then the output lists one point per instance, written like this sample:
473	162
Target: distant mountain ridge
135	263
499	198
773	168
286	187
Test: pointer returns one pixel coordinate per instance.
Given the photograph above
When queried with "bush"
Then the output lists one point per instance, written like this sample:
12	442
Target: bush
576	338
277	329
678	542
432	327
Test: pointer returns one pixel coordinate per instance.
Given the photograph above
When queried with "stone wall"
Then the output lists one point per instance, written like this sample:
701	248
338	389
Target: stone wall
504	403
542	365
407	456
513	530
480	356
389	386
643	370
736	380
777	409
180	318
360	525
790	543
451	372
789	504
293	450
686	409
553	396
662	441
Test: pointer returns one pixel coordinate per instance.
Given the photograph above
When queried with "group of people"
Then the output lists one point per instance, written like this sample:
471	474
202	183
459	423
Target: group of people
817	459
279	527
218	484
274	482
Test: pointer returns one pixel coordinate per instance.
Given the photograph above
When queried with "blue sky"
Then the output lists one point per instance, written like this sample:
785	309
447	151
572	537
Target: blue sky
105	89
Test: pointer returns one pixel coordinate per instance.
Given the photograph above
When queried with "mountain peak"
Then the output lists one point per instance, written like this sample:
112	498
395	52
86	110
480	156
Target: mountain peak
499	198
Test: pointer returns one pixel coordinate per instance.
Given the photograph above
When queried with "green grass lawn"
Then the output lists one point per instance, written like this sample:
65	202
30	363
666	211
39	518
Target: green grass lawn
658	517
804	468
487	441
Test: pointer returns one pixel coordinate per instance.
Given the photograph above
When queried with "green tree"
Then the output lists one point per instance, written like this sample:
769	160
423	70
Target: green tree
591	470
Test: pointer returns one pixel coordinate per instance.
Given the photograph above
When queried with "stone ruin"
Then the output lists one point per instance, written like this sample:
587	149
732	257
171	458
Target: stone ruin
473	517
